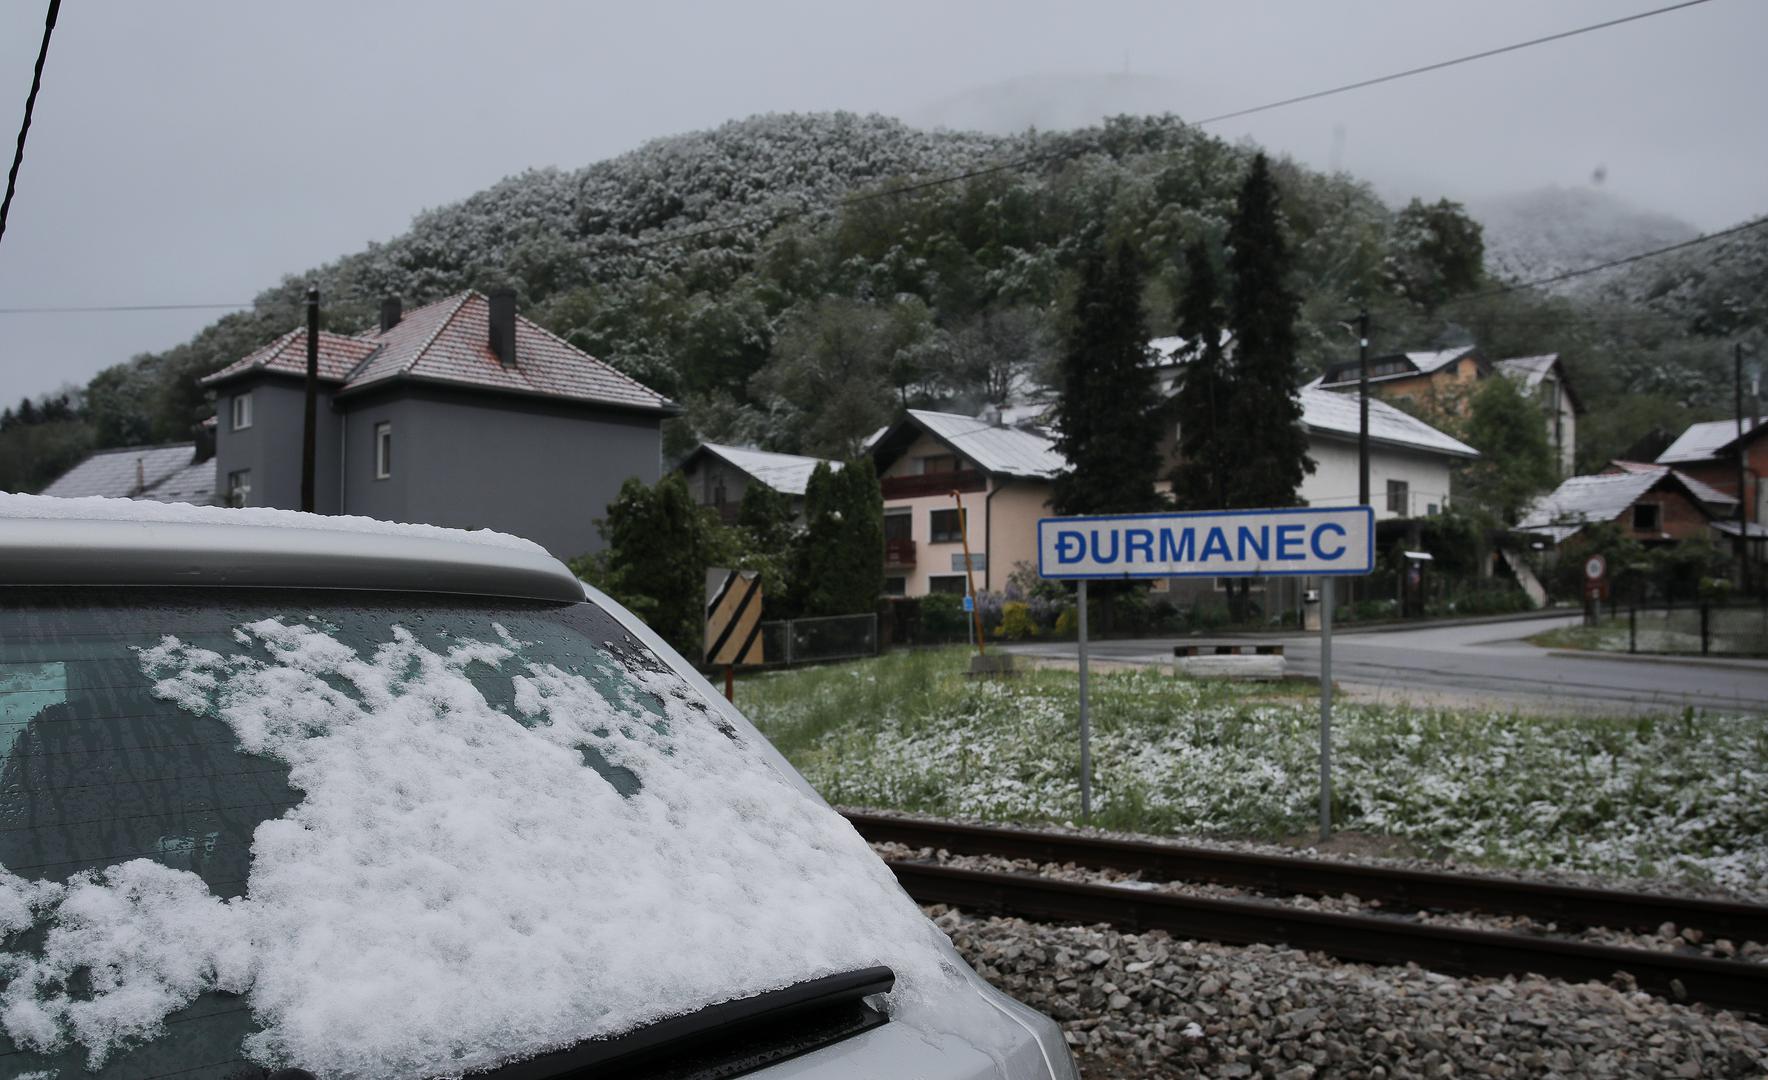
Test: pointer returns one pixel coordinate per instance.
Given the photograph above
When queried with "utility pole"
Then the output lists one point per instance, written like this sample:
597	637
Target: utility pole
1743	514
1363	406
309	424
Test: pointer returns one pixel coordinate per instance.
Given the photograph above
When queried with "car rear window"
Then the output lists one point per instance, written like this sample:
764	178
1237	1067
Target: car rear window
378	835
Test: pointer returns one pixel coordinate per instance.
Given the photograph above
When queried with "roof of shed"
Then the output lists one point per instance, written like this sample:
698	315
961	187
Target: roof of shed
1706	440
788	474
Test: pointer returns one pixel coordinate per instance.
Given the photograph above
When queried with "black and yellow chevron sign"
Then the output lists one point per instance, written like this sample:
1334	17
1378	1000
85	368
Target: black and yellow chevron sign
733	617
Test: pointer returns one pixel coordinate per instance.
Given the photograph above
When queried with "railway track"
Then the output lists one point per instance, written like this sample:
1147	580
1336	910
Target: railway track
1382	939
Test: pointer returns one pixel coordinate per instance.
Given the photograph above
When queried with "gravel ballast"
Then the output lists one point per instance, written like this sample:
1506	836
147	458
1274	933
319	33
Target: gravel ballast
1686	941
1150	1005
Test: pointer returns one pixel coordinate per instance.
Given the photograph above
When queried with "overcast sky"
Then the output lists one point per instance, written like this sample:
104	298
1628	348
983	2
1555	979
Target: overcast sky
193	152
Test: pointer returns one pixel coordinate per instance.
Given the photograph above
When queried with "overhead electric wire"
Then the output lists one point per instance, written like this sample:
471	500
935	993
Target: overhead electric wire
1037	159
18	155
1011	164
1612	263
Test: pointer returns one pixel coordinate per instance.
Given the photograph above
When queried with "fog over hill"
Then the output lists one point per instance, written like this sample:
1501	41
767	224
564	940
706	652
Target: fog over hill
1550	230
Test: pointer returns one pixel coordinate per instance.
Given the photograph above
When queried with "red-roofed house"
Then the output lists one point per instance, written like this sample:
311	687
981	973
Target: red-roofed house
460	413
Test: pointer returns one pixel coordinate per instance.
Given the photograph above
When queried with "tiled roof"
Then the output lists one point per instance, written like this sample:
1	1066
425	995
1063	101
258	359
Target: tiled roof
160	473
1704	441
338	356
785	473
449	342
1328	412
1005	450
1706	493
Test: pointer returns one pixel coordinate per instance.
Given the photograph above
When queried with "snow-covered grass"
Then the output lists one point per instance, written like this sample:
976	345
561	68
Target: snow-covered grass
1679	797
1731	631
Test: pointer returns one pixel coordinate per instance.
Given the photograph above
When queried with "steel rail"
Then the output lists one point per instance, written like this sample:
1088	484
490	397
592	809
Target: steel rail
1423	890
1373	939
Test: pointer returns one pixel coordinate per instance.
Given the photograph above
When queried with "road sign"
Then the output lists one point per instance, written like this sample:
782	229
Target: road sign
733	617
1595	567
1289	541
1323	542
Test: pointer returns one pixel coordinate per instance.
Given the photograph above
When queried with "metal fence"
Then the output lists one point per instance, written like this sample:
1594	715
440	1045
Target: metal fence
808	641
1707	628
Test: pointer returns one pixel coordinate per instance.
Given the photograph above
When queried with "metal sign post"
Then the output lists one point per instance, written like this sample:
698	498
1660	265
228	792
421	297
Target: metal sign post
1326	605
1086	729
1284	542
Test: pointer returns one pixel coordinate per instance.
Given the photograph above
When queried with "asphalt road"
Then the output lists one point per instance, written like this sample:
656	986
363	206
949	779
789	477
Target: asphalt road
1491	662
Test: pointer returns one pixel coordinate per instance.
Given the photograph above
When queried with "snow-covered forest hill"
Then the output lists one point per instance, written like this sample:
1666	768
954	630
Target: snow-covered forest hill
803	332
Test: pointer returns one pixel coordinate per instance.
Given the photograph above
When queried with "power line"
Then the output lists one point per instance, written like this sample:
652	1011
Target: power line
1008	165
1012	164
1612	263
1441	64
18	155
86	308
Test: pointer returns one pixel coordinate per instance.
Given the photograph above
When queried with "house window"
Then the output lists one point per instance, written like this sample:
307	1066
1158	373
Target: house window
898	525
1431	510
242	411
939	463
1398	497
239	488
954	584
1645	517
896	586
943	527
383	450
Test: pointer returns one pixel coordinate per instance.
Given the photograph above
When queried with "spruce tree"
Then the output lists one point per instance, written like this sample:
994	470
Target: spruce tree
1199	406
838	560
1108	417
1265	443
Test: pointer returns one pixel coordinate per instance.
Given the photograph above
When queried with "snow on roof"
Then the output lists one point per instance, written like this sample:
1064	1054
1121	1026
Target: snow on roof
194	484
1705	440
1328	412
138	510
1427	362
1757	530
1528	370
788	474
1005	450
1167	349
1584	500
134	471
448	342
1706	493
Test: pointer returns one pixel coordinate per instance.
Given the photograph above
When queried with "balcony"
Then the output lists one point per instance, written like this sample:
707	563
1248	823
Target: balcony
899	552
941	483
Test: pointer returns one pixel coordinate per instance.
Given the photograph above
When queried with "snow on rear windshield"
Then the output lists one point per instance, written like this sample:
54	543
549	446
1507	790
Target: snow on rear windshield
477	869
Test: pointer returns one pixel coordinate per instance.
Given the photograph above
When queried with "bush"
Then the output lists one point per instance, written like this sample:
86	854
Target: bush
942	617
1016	622
1067	623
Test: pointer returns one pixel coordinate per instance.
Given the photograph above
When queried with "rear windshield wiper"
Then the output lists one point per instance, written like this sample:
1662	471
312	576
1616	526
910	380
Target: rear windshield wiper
724	1040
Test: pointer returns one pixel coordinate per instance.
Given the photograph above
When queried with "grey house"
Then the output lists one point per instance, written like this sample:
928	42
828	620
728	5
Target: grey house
461	413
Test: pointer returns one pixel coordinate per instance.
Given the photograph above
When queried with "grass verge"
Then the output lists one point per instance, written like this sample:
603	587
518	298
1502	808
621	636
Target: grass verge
1682	797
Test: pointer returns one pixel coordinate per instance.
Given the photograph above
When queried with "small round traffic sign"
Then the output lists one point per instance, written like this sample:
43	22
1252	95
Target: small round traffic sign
1595	568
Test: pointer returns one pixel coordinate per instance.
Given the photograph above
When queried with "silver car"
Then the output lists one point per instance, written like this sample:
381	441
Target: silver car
284	795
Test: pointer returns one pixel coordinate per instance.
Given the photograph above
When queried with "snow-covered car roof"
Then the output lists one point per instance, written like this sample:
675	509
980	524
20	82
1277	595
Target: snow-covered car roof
98	541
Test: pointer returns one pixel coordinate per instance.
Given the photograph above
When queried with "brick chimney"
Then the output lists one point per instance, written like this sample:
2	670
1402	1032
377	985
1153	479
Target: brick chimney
392	310
503	326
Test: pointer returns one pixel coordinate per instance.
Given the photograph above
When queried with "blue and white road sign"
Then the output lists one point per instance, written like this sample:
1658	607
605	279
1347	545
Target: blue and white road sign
1335	541
969	604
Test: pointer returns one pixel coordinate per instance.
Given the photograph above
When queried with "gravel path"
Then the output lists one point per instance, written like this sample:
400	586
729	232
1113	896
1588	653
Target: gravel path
1689	941
1146	1005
